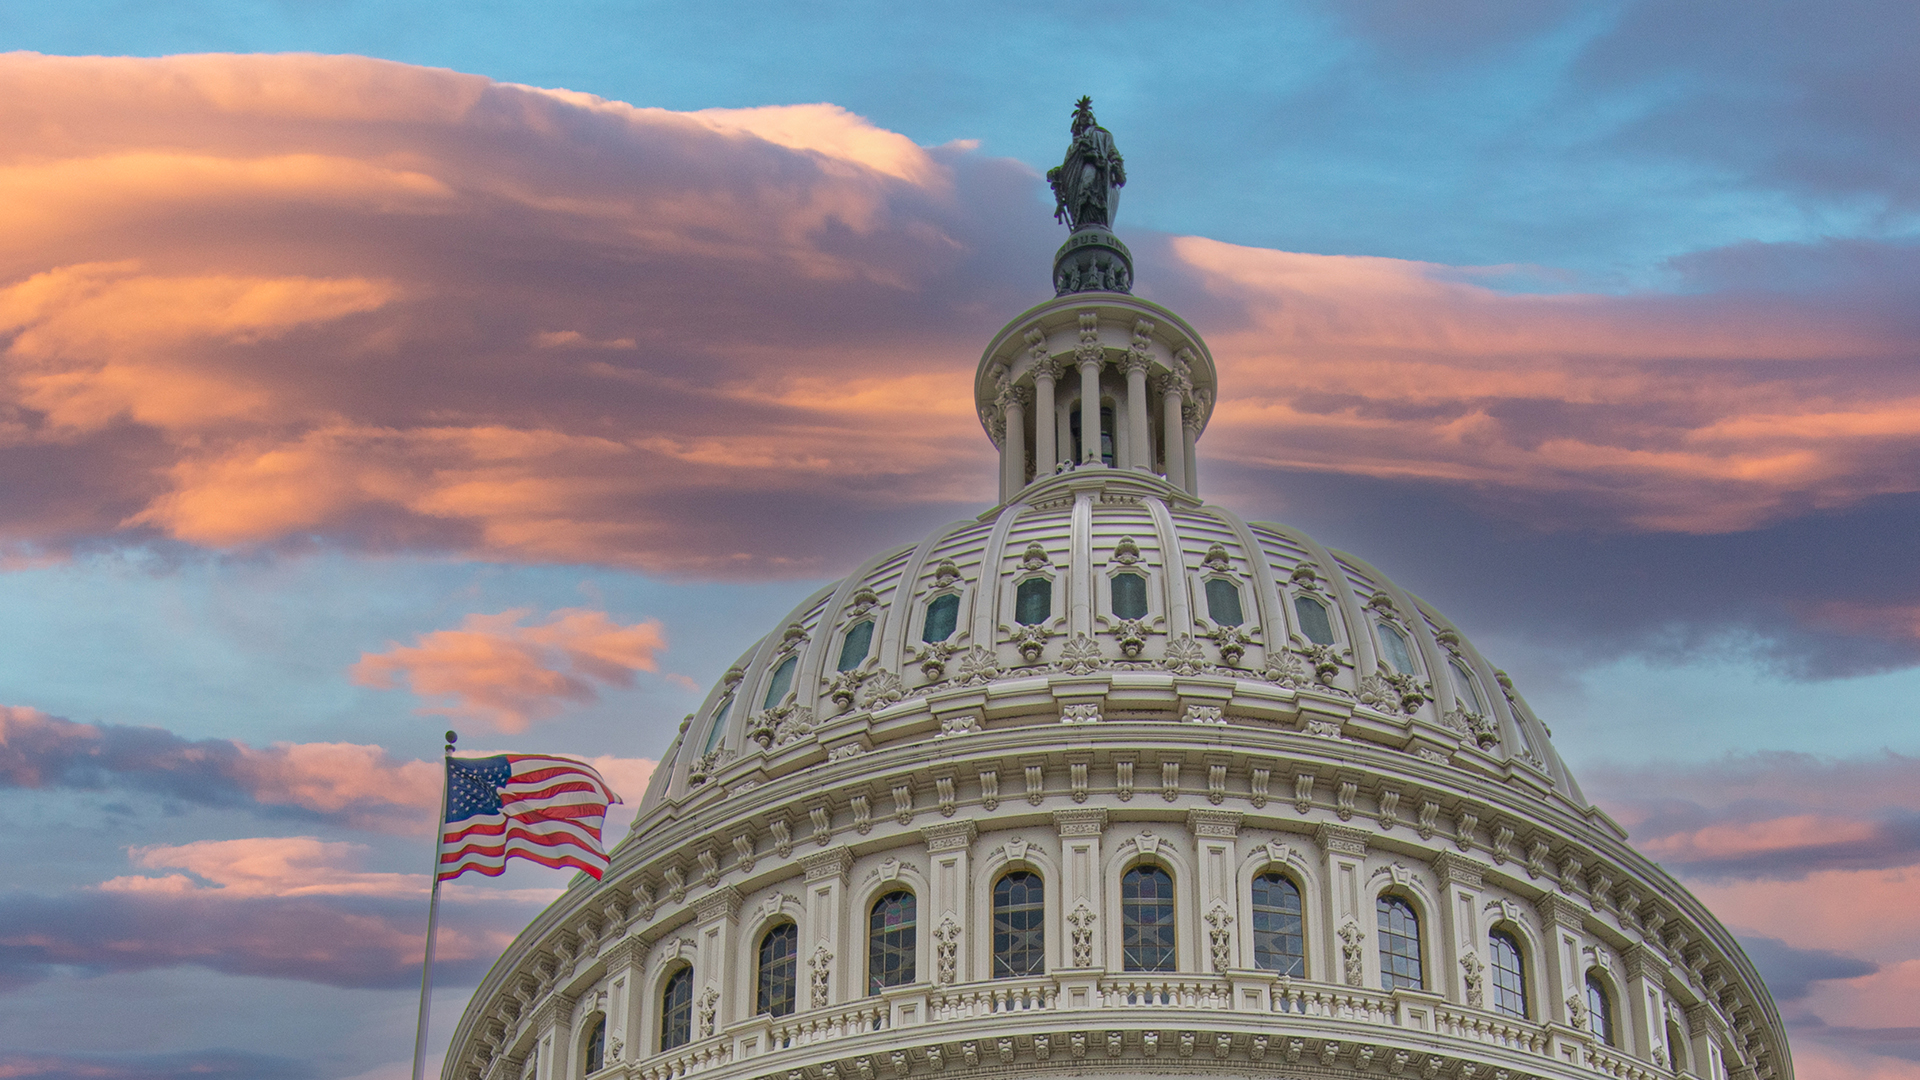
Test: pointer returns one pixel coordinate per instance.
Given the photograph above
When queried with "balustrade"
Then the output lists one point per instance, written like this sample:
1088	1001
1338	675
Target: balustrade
1000	996
1191	992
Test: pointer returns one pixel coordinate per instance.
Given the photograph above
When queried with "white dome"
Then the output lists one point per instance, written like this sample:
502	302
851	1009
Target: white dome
1256	666
1110	779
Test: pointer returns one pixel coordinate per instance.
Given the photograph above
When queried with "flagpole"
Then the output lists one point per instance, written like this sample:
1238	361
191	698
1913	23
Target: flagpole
433	914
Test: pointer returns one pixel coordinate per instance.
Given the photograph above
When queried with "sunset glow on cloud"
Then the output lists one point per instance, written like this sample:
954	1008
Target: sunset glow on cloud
345	398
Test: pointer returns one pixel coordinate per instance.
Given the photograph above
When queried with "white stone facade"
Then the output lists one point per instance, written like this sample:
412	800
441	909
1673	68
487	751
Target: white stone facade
1217	732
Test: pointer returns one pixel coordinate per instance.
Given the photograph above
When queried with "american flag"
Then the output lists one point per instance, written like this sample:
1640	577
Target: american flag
523	806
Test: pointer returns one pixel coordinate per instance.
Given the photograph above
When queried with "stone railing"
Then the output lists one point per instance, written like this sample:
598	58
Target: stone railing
825	1027
1173	992
687	1060
999	996
1041	1000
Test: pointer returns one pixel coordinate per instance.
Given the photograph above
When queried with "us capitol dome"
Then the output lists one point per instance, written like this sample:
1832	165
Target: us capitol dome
1107	778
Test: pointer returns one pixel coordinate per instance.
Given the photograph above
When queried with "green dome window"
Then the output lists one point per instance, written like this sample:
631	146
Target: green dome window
1033	602
1394	647
1223	603
1129	596
942	616
1313	620
782	682
854	649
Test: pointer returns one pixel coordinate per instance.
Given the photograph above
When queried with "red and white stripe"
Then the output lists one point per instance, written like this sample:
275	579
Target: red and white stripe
552	809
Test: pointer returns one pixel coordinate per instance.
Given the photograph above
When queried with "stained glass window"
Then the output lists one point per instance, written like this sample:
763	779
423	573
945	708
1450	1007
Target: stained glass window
890	942
1509	975
676	1010
1146	919
779	969
1399	945
1278	938
1019	926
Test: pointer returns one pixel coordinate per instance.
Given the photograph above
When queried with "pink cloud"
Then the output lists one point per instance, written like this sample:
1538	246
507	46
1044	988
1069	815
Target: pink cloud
256	300
265	866
504	674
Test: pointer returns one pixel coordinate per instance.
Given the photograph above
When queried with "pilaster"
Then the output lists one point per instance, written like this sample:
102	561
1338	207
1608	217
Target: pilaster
1465	979
1215	858
949	912
1349	958
824	929
1081	893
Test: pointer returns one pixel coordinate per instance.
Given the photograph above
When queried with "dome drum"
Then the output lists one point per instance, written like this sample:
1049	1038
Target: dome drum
1342	822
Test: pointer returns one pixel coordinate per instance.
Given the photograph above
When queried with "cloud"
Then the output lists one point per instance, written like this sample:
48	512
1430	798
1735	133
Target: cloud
504	674
265	866
361	784
1772	815
362	942
1791	972
184	1065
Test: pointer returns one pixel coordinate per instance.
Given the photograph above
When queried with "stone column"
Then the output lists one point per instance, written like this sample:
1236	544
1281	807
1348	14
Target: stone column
1170	400
1643	1020
1215	861
1563	933
1090	358
554	1045
822	939
626	996
716	934
1139	357
1013	449
1081	900
1351	957
948	913
1465	961
1190	416
1046	443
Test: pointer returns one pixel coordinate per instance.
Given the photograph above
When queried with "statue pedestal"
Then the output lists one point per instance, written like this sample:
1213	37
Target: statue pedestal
1092	260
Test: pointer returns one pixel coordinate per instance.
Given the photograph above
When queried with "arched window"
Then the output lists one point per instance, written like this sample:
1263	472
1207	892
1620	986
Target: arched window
942	614
1019	926
1106	434
1469	694
1223	603
676	1010
1509	975
1399	945
1676	1047
782	682
1033	601
1599	1010
1146	919
1278	940
1395	648
779	970
719	727
1129	596
853	649
890	942
1313	620
597	1047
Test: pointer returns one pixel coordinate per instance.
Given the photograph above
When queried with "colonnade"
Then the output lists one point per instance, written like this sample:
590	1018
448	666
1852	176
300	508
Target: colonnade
1132	390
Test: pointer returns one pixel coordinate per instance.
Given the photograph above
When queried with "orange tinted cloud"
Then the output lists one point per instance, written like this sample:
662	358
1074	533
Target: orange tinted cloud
504	674
254	300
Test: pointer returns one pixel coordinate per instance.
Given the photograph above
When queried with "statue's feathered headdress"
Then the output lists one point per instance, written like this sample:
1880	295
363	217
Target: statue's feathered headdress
1083	115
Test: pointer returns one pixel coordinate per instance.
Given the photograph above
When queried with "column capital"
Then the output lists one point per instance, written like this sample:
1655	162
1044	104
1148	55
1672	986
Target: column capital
833	862
1342	839
1014	397
1091	821
1216	823
1046	367
950	835
1455	869
723	902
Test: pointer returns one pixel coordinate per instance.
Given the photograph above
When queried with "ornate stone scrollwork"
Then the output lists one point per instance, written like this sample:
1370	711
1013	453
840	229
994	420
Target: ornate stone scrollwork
1132	636
946	939
821	976
1031	641
1081	922
1080	655
1184	656
1351	939
978	665
1470	967
707	764
781	725
1220	937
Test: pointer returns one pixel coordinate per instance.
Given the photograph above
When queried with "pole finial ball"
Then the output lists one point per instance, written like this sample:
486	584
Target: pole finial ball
452	738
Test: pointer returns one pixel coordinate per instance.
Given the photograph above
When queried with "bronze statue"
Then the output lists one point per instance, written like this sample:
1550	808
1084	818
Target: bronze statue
1086	187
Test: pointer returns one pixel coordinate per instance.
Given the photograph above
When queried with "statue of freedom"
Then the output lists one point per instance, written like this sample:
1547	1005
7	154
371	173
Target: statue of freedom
1086	187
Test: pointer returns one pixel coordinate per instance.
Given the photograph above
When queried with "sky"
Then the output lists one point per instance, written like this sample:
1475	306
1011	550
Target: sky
372	369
